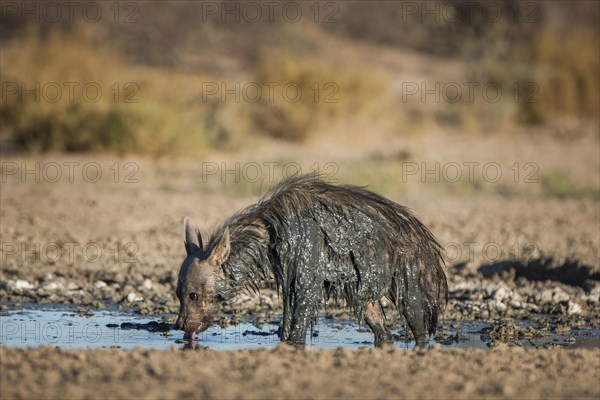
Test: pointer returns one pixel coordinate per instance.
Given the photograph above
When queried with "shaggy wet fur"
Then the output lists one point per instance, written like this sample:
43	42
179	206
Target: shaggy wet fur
317	241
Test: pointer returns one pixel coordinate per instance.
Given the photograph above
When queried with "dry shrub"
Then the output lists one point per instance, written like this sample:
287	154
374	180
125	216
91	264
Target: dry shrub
548	69
44	106
309	94
566	74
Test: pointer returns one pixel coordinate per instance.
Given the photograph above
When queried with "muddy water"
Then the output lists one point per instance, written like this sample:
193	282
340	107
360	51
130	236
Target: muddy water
62	327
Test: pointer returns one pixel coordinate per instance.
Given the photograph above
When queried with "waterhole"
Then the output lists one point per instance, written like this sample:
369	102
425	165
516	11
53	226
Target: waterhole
64	327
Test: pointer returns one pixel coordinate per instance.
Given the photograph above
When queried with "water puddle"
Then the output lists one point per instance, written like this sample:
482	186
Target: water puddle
59	326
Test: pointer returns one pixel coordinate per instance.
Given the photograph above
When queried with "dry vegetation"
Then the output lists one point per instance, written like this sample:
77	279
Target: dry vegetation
158	93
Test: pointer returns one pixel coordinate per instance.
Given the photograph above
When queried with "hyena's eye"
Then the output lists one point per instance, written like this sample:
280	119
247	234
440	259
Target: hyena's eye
193	296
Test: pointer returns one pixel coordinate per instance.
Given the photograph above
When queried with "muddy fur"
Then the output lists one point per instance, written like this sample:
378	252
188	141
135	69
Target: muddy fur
316	241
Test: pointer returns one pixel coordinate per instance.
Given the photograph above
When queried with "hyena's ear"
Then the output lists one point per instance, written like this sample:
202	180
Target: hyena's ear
221	250
191	236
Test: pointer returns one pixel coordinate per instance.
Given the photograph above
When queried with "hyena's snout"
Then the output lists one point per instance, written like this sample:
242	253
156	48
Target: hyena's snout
190	323
183	320
180	323
183	325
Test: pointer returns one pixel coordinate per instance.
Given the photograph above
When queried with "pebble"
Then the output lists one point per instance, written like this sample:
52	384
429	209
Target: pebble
573	308
501	294
133	297
593	296
147	285
498	305
555	295
100	284
54	286
20	284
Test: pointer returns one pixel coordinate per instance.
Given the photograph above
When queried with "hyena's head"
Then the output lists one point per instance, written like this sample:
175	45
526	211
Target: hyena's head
196	289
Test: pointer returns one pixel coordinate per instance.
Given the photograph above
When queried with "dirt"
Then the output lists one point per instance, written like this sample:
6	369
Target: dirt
286	372
118	242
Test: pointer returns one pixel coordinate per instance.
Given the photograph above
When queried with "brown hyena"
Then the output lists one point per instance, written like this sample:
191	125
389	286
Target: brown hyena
316	241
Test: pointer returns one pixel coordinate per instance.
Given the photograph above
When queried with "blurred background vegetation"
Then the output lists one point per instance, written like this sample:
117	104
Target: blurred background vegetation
157	64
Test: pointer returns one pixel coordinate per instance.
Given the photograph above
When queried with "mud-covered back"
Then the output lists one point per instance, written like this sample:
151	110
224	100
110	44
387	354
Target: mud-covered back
358	244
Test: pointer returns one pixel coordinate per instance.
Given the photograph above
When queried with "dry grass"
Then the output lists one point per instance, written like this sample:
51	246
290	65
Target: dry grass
73	92
547	73
156	111
567	77
318	93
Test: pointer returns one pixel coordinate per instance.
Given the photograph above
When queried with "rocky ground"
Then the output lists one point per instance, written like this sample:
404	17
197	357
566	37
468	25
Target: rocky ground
514	255
116	243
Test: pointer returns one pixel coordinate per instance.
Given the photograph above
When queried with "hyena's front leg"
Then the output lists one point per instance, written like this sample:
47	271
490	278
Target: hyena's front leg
304	305
307	283
286	323
304	309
